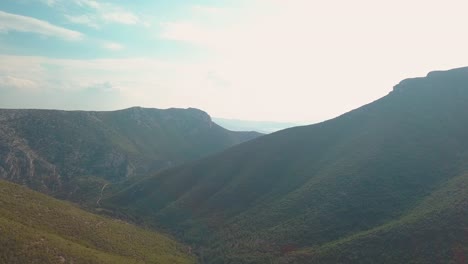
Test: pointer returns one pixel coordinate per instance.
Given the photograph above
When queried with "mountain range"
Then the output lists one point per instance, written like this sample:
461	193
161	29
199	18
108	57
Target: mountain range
385	183
74	154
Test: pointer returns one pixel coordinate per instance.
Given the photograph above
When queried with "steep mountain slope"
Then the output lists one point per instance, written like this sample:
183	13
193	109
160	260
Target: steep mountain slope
35	228
434	232
74	153
324	186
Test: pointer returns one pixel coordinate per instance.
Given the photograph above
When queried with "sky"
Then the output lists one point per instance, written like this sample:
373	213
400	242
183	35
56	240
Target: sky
300	61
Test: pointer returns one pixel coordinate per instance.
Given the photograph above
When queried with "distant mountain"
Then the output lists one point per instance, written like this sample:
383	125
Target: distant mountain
35	228
246	125
385	183
73	154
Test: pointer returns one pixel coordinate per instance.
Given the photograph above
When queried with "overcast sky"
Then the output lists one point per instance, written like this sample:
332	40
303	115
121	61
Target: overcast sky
298	61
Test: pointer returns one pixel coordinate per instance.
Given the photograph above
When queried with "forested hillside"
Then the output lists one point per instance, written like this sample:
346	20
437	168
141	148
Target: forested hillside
73	154
385	183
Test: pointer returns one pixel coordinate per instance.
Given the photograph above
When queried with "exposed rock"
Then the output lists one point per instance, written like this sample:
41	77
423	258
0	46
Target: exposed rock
71	154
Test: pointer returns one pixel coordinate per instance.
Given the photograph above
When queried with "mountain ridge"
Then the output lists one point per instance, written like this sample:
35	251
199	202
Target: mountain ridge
57	151
309	186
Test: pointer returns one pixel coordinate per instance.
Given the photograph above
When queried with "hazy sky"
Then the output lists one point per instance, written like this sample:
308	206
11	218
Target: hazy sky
276	60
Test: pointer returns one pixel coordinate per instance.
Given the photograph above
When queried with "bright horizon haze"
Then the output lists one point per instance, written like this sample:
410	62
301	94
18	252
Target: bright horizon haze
287	61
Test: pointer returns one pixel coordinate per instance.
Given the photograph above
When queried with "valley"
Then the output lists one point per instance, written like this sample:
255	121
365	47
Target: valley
384	183
321	189
233	132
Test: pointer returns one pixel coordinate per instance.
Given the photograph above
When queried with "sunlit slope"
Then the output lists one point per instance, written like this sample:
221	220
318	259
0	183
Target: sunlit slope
310	186
35	228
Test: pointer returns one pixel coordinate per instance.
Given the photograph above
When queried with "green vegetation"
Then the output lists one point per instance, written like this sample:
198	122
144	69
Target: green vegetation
57	152
385	183
433	232
35	228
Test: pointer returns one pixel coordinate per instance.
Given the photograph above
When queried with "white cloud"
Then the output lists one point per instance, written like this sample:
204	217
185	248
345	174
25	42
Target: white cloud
88	20
191	32
87	3
113	46
98	13
11	22
138	81
146	82
312	60
279	60
208	10
50	2
121	17
11	82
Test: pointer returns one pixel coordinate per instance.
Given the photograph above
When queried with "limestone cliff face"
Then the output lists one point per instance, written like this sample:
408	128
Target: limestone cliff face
20	164
64	152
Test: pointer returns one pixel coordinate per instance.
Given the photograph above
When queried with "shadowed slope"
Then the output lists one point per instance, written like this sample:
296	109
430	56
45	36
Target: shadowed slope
435	231
310	186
